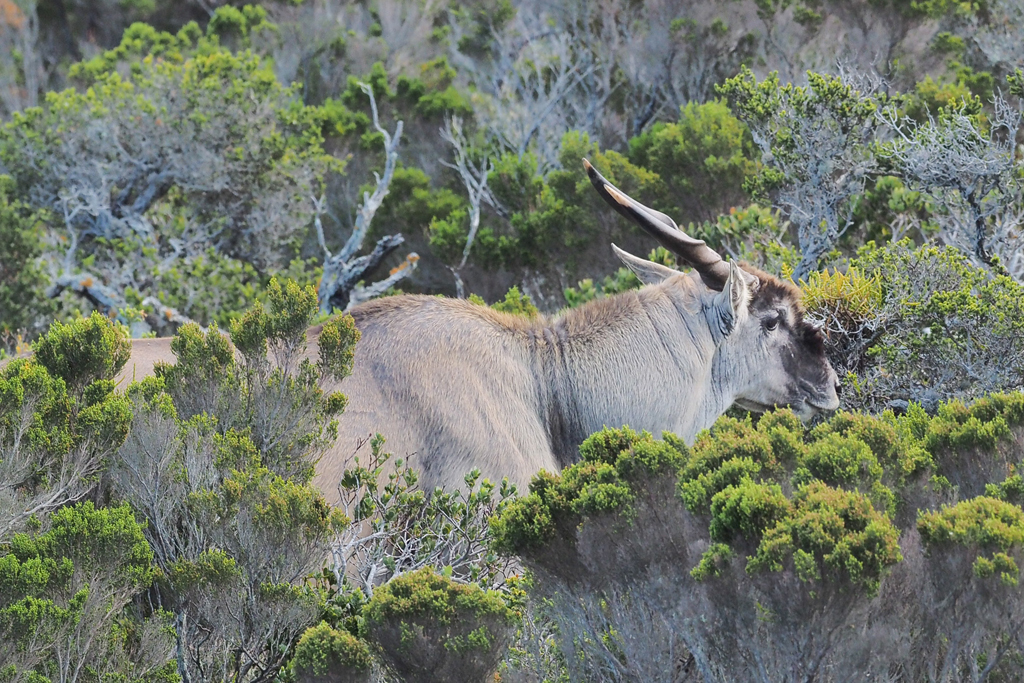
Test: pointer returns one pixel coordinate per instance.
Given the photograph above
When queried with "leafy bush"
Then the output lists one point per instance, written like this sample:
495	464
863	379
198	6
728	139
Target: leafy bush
159	178
757	547
919	324
703	159
984	523
60	419
560	211
431	628
610	462
218	462
83	351
326	655
63	598
890	212
515	302
398	528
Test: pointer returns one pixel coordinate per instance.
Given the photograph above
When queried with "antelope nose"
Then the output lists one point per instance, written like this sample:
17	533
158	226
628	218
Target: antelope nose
839	388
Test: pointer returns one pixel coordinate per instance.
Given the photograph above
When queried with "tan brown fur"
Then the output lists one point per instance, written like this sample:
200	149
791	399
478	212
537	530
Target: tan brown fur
456	386
145	354
459	386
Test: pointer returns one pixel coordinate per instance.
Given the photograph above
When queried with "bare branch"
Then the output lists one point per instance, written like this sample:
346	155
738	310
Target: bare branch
402	271
112	302
318	210
474	176
342	271
372	202
969	174
394	533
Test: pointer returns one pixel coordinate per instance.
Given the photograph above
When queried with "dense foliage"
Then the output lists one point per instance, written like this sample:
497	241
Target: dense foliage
769	550
210	540
178	168
195	157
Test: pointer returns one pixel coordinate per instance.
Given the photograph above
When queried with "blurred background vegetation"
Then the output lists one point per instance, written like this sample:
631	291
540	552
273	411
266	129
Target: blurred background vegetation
174	156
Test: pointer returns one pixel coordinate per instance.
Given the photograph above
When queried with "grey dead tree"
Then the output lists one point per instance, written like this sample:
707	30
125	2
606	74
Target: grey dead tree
670	61
643	56
969	174
474	176
665	57
830	164
604	38
406	28
533	69
140	198
340	286
530	111
698	58
817	142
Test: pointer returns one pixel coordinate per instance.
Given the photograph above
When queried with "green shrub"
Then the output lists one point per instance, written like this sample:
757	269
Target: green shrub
986	526
219	460
888	212
514	302
71	584
848	462
747	509
558	212
847	298
201	119
431	628
83	351
327	655
57	432
614	464
732	452
831	532
920	324
704	159
742	526
1011	490
963	87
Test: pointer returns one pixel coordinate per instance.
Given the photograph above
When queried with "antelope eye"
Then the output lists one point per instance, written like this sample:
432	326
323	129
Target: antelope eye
771	324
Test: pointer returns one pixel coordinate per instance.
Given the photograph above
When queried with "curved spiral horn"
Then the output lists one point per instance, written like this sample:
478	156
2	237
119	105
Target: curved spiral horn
706	261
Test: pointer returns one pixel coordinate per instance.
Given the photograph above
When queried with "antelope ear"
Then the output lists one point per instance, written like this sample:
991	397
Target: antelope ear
732	304
649	272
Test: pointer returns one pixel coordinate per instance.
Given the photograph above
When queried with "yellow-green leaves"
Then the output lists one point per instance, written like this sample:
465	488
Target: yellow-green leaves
834	533
982	525
71	580
324	651
847	298
430	627
337	342
614	468
83	350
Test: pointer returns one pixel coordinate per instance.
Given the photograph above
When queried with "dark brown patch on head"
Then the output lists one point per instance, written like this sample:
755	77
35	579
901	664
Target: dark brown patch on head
775	294
801	348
